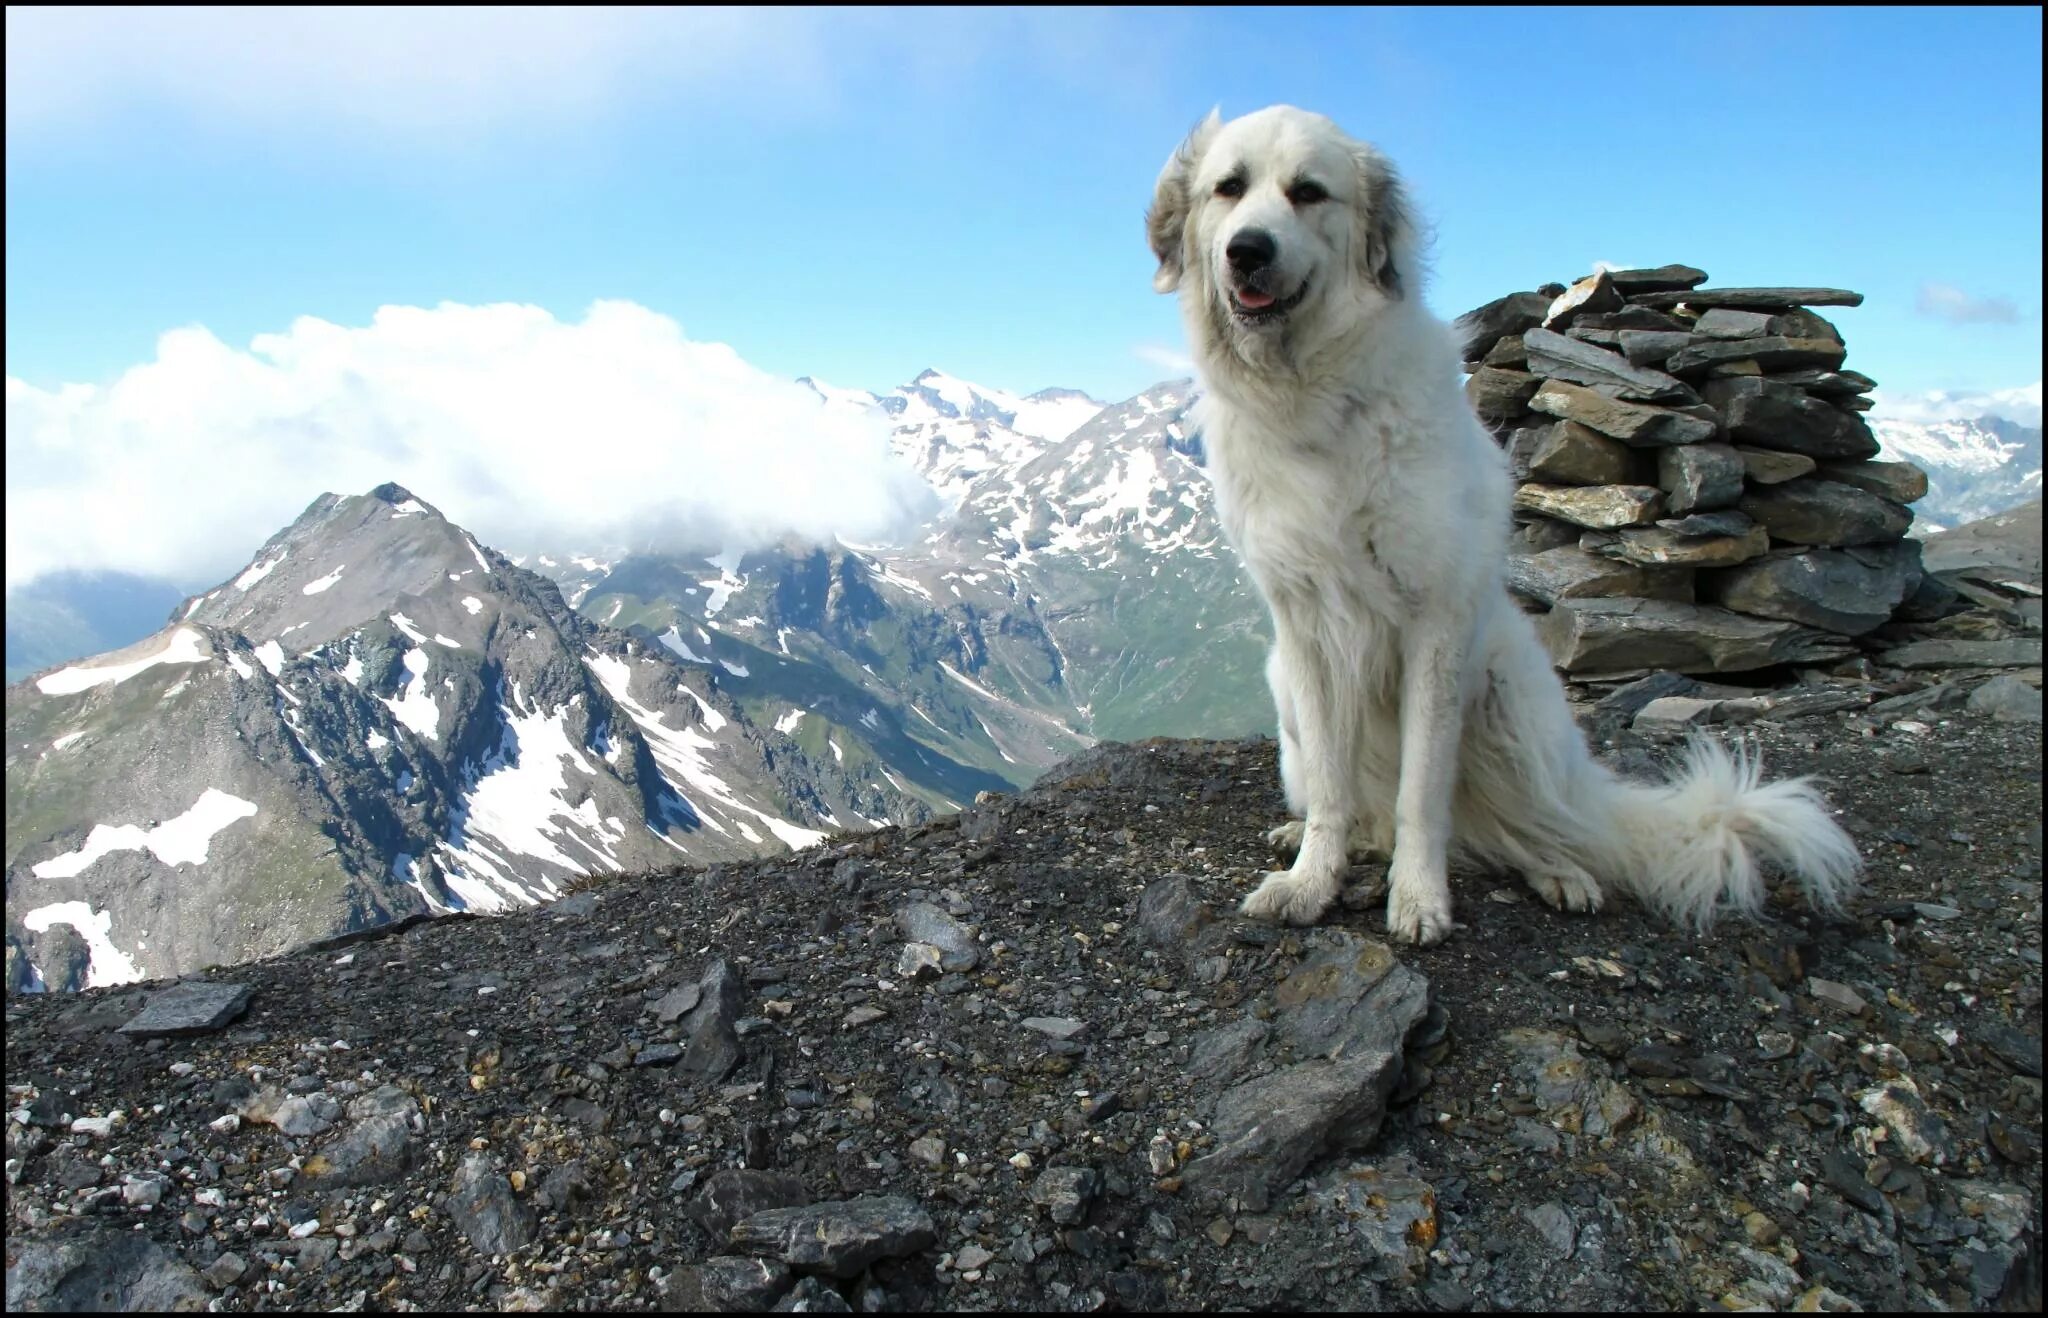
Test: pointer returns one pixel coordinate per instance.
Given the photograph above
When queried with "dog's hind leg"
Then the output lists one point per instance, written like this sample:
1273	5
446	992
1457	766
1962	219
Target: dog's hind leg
1566	887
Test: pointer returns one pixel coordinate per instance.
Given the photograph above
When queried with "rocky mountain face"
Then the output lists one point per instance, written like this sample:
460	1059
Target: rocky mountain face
1074	587
1975	468
379	718
1028	1057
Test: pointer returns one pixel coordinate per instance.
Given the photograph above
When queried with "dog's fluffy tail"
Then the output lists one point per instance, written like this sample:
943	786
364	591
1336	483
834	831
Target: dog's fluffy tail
1692	846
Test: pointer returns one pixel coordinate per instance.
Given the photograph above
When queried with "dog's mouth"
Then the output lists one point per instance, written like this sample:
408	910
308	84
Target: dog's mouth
1255	306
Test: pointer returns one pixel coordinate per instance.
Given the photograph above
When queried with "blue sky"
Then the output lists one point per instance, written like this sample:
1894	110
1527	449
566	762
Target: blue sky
507	257
859	196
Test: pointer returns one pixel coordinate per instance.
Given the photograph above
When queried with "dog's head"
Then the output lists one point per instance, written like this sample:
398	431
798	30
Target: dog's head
1277	223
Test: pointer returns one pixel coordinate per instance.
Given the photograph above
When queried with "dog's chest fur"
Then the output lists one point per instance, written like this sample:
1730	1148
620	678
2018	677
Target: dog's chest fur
1313	510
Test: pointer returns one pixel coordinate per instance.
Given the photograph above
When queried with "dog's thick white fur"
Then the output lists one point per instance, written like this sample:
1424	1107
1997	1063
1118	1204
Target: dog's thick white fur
1418	710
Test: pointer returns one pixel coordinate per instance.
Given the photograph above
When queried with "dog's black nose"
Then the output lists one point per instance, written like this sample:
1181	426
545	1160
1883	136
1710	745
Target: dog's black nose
1250	249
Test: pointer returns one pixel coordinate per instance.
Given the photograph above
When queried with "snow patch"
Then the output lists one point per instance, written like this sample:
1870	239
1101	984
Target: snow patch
788	722
473	604
271	655
180	841
256	572
414	706
186	645
315	587
105	963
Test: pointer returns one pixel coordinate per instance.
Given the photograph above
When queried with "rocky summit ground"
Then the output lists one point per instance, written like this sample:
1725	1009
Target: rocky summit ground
1029	1057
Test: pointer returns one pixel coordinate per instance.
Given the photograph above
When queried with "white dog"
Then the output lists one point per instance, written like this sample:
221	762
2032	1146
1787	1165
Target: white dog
1418	710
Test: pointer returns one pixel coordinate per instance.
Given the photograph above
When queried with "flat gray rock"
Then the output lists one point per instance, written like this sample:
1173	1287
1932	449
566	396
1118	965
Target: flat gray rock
98	1271
923	922
1601	507
1482	327
1699	477
1560	357
1765	414
1771	299
194	1007
1569	572
1632	423
1346	1013
1627	635
1850	591
838	1239
483	1208
1810	511
1769	353
1658	279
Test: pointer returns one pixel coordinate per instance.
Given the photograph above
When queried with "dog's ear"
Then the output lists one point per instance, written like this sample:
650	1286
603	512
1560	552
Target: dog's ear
1384	242
1166	221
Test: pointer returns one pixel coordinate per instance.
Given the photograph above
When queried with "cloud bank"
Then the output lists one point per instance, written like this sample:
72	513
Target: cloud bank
613	431
2021	405
1945	302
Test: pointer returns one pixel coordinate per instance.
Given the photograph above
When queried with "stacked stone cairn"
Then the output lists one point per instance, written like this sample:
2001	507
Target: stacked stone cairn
1697	489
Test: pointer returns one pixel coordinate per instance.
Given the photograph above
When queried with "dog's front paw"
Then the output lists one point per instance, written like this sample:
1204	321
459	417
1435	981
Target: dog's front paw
1285	839
1567	890
1286	898
1419	914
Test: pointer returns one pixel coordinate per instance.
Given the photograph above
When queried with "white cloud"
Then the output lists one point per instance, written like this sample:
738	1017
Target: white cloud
2021	405
1165	358
1945	302
615	430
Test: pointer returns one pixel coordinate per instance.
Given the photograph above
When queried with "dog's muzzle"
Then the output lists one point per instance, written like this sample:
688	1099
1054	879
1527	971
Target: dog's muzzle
1253	304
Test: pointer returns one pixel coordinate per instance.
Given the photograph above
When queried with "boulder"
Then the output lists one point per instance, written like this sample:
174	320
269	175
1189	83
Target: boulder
1765	414
1572	454
1799	323
2008	700
1810	511
1772	467
1770	353
1651	347
1591	636
1597	506
1482	327
1901	482
1632	423
1850	591
1769	299
1533	534
1727	323
1500	395
1569	572
1561	357
1595	293
1508	353
1698	477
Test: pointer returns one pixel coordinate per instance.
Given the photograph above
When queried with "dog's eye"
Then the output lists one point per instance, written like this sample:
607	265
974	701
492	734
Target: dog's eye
1305	193
1230	187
